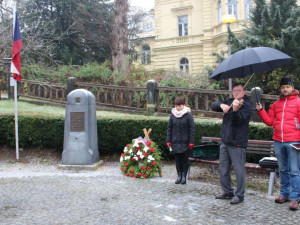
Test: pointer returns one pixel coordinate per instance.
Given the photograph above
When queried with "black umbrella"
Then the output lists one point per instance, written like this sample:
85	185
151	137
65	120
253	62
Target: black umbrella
249	61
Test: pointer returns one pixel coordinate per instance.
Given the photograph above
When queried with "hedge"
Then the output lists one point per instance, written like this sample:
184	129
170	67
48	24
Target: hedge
113	134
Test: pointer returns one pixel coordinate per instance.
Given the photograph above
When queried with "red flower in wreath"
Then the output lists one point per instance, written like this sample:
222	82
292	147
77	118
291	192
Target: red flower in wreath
134	161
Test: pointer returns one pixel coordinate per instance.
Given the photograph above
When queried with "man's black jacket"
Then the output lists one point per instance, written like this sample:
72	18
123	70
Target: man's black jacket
235	126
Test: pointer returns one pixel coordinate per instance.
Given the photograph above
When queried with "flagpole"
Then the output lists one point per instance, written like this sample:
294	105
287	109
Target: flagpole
16	98
16	121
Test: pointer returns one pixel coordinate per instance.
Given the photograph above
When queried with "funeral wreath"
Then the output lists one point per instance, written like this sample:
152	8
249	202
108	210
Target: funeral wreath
140	159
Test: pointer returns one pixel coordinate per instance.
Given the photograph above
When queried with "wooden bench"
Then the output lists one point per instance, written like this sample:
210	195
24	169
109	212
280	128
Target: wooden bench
259	147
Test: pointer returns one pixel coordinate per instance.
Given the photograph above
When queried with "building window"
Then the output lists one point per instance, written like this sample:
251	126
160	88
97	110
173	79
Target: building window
219	12
232	7
182	25
184	65
248	6
145	55
148	26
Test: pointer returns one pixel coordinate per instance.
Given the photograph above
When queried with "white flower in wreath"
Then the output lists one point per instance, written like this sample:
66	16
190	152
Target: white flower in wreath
146	149
127	157
125	149
130	151
142	156
139	153
136	158
121	159
151	158
136	144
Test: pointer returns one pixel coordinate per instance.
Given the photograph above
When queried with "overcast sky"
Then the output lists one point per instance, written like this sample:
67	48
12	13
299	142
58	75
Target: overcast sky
147	4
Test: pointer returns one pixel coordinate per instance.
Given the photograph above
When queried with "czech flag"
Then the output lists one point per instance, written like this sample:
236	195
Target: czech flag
15	66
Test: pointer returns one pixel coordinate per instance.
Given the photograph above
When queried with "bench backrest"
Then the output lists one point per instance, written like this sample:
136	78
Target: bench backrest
259	147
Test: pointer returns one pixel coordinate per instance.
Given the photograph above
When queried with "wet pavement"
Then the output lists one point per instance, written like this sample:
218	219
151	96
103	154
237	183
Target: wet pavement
43	194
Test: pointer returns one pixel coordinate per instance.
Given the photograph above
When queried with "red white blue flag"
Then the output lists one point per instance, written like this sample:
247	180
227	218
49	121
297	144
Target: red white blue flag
15	66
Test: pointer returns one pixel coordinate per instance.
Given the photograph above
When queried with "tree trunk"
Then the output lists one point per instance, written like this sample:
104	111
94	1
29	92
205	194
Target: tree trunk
120	37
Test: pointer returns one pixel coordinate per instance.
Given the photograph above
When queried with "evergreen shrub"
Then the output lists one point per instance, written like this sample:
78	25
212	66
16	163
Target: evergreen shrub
113	134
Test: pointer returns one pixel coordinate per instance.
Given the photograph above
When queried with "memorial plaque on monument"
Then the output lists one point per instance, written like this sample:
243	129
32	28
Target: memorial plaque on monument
80	135
77	121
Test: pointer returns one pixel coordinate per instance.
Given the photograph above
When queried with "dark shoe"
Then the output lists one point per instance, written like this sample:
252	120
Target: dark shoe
236	200
294	205
225	196
183	178
179	173
185	168
178	181
281	199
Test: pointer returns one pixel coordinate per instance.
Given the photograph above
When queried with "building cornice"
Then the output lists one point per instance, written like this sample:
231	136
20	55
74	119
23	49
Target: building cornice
176	47
179	37
182	8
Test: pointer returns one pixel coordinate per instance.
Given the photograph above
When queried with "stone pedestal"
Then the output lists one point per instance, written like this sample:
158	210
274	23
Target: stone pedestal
151	97
71	81
80	135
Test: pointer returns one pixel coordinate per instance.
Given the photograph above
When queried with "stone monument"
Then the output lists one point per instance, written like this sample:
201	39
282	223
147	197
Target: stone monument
80	135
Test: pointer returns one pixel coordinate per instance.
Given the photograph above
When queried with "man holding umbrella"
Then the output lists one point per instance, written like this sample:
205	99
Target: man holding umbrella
284	116
234	136
234	133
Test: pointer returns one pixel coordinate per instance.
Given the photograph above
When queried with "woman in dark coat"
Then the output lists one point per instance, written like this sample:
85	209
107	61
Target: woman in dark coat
180	137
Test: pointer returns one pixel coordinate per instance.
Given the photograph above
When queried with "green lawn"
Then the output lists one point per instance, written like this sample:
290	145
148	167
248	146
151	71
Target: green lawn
24	108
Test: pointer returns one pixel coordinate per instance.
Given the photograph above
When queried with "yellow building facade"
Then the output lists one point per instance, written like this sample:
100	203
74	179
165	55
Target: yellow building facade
185	33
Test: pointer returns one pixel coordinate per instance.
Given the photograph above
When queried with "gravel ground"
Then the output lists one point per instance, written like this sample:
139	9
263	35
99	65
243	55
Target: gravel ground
35	191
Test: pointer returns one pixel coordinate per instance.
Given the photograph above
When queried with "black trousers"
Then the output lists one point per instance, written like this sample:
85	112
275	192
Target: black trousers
182	159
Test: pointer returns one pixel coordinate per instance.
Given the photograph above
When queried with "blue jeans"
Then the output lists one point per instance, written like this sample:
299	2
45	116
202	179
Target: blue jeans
289	163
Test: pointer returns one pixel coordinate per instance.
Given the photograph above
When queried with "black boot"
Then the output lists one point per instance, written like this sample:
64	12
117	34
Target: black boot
184	173
179	173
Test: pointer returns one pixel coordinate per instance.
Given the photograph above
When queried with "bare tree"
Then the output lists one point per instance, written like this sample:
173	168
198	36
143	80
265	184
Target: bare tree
120	37
6	30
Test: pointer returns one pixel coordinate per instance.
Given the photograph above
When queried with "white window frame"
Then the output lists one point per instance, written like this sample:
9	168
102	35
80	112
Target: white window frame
183	29
248	7
219	11
233	7
184	66
145	55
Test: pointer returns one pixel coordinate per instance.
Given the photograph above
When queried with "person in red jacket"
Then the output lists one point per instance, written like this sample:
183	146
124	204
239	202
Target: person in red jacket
284	117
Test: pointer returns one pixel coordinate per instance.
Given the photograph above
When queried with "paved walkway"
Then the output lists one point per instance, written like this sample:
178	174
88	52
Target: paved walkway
47	195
